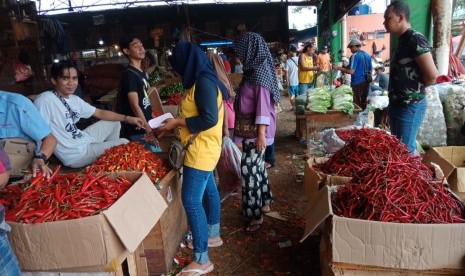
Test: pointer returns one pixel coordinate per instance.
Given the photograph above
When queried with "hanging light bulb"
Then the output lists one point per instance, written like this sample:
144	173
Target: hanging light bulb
100	42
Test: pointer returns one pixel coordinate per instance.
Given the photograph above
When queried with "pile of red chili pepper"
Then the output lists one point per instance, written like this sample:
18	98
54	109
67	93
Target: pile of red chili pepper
174	99
396	191
367	148
132	156
62	197
346	134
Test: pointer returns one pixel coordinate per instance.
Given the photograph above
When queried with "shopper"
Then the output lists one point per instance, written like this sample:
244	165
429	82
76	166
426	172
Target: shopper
306	68
19	118
62	111
359	67
8	263
133	98
412	70
292	71
324	60
381	81
256	97
201	115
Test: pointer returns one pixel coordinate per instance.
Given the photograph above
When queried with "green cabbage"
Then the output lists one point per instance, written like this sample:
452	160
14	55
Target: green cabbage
318	99
343	99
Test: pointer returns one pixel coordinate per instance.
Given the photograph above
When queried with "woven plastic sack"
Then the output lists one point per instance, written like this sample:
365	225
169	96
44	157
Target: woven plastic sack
454	104
433	131
229	168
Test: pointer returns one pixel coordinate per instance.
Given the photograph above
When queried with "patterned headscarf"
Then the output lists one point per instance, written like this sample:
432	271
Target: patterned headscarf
189	61
256	58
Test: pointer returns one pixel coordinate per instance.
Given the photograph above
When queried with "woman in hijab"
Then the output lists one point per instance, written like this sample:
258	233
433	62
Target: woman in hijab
226	88
257	95
202	114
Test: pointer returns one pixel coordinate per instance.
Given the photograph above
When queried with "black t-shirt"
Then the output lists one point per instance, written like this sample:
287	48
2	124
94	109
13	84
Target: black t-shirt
405	81
134	80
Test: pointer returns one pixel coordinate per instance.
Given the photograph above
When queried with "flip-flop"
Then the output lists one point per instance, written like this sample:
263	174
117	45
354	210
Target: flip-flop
253	227
197	271
266	209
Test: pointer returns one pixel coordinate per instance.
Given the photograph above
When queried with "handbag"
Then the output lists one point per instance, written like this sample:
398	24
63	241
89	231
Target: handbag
368	76
177	152
244	124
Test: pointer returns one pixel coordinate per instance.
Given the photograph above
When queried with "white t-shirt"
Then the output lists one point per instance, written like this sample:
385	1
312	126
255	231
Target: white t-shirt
71	141
292	70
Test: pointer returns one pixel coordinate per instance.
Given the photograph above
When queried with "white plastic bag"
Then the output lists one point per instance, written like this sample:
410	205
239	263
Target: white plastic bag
433	130
229	168
378	102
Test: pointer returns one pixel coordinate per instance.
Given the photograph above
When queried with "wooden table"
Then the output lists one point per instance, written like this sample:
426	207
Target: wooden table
316	121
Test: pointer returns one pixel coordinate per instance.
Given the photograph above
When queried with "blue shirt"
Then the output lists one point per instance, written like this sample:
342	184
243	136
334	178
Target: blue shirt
4	167
19	118
360	62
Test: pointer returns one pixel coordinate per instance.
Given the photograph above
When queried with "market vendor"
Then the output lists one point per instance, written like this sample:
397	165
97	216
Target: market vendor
9	263
19	118
62	111
133	98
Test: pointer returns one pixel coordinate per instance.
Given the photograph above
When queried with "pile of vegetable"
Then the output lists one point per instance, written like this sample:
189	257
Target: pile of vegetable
345	134
387	183
174	99
131	157
62	197
318	99
396	191
367	148
155	78
343	99
172	89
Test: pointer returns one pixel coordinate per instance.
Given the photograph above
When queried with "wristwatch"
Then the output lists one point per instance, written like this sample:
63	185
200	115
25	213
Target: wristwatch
41	155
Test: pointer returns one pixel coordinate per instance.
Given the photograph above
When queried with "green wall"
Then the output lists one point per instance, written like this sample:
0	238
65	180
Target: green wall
420	18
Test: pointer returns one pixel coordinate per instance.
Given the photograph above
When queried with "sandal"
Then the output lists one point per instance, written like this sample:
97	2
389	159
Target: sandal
266	209
195	271
254	226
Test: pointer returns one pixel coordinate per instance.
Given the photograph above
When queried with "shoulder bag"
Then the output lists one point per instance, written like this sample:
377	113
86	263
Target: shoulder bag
368	75
244	124
177	152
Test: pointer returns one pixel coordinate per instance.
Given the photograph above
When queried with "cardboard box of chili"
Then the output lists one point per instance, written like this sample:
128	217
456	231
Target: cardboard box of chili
363	247
95	243
314	180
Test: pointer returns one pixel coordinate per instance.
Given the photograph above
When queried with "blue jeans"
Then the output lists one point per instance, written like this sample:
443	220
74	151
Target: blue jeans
197	187
8	264
303	87
406	120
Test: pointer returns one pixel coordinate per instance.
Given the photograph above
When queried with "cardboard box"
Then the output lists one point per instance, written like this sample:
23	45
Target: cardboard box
95	243
20	152
314	180
452	162
161	244
386	246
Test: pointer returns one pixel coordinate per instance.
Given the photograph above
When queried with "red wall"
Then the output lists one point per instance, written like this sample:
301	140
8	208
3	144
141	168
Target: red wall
366	24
